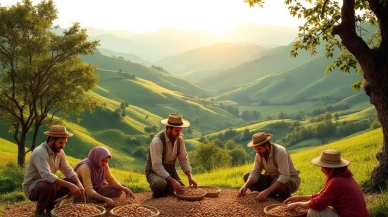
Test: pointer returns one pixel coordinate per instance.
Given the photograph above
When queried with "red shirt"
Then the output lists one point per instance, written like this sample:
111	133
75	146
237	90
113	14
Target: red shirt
343	194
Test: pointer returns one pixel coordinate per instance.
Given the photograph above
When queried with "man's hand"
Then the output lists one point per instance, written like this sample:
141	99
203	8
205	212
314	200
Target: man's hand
178	187
192	182
262	196
242	191
76	191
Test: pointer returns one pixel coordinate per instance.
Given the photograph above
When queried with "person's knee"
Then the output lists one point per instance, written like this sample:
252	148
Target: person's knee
49	188
159	185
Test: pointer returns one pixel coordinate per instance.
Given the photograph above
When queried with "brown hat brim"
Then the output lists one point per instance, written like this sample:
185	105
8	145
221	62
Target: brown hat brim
58	135
318	162
184	124
269	137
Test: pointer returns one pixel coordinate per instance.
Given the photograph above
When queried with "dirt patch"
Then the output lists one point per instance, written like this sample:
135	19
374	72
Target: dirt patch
227	204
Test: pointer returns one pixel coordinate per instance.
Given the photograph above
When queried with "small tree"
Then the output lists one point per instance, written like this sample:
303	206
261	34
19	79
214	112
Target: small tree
41	74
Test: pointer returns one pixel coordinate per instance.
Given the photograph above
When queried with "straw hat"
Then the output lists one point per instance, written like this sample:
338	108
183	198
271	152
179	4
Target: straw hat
58	131
175	120
330	159
259	139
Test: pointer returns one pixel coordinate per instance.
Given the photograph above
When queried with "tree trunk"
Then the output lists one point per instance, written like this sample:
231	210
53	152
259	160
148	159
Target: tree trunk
36	130
378	180
376	88
21	148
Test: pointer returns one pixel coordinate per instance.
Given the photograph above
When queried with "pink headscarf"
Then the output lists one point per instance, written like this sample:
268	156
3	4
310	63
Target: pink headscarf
98	174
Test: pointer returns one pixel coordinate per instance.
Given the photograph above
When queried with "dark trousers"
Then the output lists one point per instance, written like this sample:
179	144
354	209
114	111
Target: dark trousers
45	193
266	181
161	187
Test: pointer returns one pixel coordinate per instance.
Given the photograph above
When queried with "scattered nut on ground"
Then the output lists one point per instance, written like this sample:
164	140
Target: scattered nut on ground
77	210
227	204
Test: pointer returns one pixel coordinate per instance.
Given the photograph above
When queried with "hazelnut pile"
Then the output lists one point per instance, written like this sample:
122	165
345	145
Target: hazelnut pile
77	210
281	211
133	210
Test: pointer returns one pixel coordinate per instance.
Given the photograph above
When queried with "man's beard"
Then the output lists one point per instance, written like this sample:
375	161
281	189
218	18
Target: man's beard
55	149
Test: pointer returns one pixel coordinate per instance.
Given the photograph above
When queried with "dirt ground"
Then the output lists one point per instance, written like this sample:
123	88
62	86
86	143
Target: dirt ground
227	204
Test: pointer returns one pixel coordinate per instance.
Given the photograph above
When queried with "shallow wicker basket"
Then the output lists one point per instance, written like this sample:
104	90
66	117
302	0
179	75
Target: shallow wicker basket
101	214
192	198
267	208
211	191
113	212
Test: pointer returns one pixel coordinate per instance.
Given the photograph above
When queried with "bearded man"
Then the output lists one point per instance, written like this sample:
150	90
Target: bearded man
40	182
280	179
165	148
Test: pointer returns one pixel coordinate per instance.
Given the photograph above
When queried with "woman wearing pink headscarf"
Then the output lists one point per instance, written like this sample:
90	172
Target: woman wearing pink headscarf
94	171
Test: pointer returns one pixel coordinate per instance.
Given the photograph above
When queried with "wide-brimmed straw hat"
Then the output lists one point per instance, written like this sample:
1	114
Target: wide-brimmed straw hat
259	138
58	131
330	159
175	120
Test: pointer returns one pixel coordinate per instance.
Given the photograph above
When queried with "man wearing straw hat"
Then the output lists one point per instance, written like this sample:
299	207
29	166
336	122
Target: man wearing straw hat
165	148
281	178
40	182
341	195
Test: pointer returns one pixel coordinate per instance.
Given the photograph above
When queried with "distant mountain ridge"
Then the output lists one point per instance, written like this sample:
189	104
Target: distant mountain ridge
215	56
154	46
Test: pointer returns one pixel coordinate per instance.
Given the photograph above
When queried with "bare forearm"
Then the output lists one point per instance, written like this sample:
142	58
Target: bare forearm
274	186
63	183
189	174
249	182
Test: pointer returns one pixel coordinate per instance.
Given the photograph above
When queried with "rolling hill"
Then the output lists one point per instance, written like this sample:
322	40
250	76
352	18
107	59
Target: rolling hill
304	83
220	55
163	79
266	62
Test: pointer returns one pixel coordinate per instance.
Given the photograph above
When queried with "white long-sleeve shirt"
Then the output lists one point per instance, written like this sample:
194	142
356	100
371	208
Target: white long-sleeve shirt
156	151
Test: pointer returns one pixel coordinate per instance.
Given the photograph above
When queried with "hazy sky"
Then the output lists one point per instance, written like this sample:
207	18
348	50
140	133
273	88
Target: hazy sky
151	15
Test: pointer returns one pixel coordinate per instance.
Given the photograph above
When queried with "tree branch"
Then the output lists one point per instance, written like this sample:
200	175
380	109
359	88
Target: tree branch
347	32
380	10
324	8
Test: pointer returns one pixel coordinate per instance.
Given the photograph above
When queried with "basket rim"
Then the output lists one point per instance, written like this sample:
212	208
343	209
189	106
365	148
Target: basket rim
199	197
153	209
102	209
269	207
218	190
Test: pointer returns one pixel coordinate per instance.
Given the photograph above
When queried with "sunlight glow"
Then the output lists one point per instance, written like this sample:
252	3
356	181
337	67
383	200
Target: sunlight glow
216	16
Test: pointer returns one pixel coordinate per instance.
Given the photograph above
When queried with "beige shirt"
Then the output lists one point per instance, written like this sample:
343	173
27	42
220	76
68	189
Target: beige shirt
42	166
285	167
84	174
156	151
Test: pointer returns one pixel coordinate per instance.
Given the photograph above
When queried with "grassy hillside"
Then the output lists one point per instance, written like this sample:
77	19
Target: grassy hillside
127	56
221	55
160	78
267	62
305	83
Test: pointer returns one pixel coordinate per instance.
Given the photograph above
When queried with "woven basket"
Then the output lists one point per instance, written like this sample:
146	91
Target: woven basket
113	212
192	198
211	191
267	208
101	214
